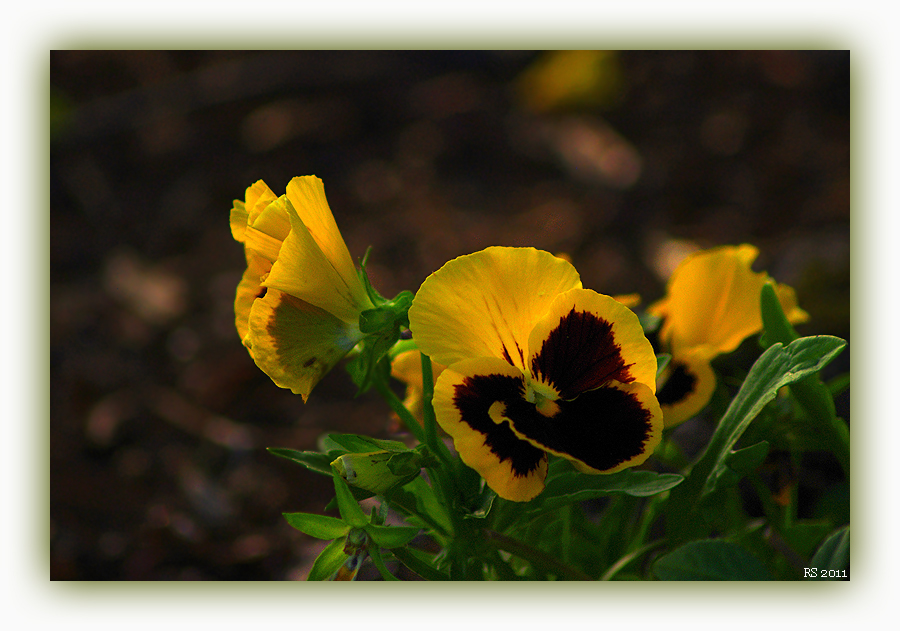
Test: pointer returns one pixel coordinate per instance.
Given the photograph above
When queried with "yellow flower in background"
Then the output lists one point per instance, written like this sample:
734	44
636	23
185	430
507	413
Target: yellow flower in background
712	304
560	79
297	306
535	365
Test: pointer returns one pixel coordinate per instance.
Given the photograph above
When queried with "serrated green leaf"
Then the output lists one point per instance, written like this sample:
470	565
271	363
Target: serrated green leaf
391	536
778	366
710	560
328	561
834	553
318	526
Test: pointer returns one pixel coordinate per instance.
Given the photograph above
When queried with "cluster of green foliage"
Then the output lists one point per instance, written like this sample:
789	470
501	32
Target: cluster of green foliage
673	519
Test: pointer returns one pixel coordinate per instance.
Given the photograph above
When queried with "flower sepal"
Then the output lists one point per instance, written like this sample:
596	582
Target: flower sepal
382	471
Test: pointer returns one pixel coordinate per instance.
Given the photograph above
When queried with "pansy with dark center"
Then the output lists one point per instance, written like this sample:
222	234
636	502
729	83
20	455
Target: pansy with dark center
535	366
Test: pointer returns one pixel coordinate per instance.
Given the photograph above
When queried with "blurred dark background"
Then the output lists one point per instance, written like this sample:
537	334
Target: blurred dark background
624	161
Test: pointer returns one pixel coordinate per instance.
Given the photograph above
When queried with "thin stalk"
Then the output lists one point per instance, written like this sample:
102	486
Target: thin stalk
397	406
431	439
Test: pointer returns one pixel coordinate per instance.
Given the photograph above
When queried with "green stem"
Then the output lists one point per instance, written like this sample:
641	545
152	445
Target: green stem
431	439
397	406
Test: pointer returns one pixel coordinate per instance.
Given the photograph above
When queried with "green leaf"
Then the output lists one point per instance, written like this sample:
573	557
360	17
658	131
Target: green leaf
776	326
778	366
350	511
710	560
811	393
328	562
378	562
418	500
318	526
391	536
629	481
834	553
356	443
312	460
379	471
737	464
573	486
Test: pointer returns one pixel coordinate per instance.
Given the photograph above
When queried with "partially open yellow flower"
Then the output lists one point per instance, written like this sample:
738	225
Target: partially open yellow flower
535	365
712	304
297	306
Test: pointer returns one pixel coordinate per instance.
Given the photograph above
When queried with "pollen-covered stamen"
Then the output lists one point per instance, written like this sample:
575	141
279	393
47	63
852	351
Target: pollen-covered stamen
543	397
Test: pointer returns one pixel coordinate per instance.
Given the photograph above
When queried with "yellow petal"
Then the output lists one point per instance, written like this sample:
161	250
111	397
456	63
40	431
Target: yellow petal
305	271
485	304
585	341
712	301
307	197
268	227
686	386
256	198
296	343
629	300
467	397
248	290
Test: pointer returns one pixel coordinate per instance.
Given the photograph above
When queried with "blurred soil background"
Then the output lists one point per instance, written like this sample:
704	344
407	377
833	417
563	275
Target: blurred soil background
625	161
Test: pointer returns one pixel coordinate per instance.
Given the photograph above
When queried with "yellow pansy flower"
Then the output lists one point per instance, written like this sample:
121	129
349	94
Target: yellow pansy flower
535	365
297	306
712	304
